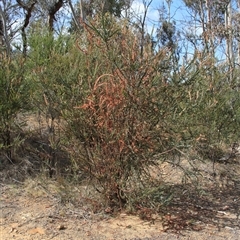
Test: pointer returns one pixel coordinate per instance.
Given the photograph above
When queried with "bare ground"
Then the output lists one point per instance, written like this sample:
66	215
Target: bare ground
40	208
36	209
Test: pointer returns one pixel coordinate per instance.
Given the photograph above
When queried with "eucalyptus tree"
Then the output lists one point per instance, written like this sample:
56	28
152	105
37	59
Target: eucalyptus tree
210	16
168	36
17	17
229	39
51	8
28	8
87	9
8	13
238	30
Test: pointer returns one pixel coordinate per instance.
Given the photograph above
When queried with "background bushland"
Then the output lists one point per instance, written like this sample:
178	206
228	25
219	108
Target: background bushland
114	106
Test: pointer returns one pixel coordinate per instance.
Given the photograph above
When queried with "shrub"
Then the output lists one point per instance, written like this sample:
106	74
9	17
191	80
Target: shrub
15	90
53	65
117	130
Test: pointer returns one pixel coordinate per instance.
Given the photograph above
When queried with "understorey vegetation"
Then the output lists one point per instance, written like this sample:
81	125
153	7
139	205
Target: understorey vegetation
105	107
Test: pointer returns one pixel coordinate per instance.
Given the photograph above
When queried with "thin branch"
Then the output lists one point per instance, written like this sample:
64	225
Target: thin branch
146	7
28	15
52	11
4	31
77	23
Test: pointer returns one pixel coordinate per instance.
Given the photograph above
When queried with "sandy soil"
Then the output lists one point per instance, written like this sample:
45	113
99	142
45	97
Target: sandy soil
32	217
39	209
34	210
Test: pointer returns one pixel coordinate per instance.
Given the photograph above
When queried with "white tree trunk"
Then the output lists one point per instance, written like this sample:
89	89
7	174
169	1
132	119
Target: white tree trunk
4	34
238	53
229	40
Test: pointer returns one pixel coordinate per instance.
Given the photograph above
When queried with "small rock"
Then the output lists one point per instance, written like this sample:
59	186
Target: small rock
225	208
61	227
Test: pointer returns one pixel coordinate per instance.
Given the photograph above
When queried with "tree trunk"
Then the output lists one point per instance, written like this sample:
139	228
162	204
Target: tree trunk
229	40
210	34
52	12
238	54
28	15
3	32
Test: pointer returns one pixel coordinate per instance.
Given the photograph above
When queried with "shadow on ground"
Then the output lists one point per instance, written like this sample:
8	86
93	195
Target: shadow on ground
214	200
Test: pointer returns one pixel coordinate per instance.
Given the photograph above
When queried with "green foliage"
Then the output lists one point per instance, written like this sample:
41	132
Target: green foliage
15	90
208	107
54	67
122	123
124	107
123	111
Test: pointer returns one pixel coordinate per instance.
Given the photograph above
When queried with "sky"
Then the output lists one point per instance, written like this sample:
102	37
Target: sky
181	15
178	12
